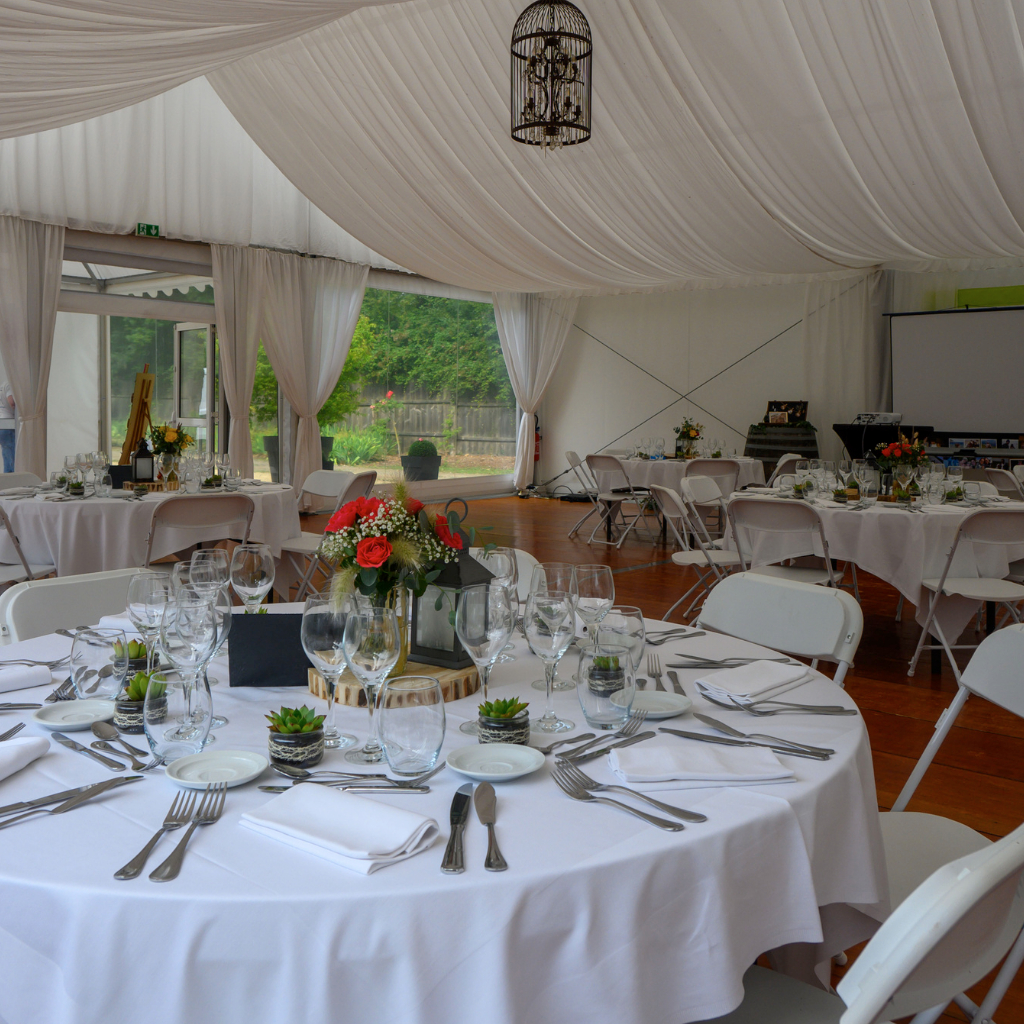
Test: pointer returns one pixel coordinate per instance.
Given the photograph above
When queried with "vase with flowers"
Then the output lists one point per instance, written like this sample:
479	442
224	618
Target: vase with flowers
169	442
688	433
901	459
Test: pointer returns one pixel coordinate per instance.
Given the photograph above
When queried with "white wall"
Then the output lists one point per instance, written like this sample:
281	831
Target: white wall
689	341
73	393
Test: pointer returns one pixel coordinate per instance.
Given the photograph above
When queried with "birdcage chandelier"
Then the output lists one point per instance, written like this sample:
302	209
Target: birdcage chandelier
551	74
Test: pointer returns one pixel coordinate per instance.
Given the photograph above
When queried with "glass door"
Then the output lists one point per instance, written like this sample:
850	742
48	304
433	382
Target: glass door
196	383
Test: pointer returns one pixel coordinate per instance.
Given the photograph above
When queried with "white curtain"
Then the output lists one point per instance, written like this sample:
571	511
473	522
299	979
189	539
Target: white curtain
30	269
532	330
846	356
311	310
239	284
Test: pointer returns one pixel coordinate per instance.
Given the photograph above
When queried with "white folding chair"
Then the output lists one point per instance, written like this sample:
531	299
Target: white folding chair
590	489
944	937
37	607
23	569
1018	472
1005	483
710	563
205	513
611	500
323	483
986	526
361	486
796	618
724	472
18	480
779	519
786	466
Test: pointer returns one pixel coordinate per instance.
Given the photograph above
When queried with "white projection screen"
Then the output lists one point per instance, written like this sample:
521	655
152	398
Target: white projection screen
960	371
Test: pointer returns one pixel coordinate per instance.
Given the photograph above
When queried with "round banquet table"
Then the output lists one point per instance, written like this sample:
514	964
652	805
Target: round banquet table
903	548
94	534
668	472
599	917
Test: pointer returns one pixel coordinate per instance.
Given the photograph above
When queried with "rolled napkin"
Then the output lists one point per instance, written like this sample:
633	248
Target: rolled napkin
22	677
756	681
692	764
120	621
343	828
16	753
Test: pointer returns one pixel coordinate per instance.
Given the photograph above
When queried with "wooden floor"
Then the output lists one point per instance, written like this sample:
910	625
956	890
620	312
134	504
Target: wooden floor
978	776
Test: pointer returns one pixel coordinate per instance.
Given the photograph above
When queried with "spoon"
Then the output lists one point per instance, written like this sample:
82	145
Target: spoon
105	731
137	765
291	772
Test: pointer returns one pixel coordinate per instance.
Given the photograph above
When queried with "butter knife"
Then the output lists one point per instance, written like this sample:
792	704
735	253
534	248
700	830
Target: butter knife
727	741
593	755
675	682
56	798
486	810
730	731
109	762
80	798
454	861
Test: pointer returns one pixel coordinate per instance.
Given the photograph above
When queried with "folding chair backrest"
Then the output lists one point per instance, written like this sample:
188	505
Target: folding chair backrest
942	939
994	526
996	669
18	480
360	487
325	483
771	516
5	524
988	489
725	472
786	465
701	490
201	512
1004	482
607	464
797	618
579	468
670	502
1018	471
37	607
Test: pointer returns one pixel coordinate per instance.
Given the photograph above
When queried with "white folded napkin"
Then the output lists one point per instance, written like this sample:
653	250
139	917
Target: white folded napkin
343	828
758	680
120	621
22	677
692	764
16	753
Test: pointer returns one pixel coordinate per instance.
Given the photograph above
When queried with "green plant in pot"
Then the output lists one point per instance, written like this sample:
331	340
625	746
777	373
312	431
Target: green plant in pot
129	704
607	676
76	487
136	657
296	737
422	462
503	721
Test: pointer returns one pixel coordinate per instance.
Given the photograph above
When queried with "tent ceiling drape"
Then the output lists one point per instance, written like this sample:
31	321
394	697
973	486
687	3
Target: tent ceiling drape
734	140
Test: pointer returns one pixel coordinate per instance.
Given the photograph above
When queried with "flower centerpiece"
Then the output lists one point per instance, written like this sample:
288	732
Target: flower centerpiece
901	458
688	433
168	444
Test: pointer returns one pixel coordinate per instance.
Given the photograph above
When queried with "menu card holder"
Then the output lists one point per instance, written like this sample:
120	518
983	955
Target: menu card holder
266	650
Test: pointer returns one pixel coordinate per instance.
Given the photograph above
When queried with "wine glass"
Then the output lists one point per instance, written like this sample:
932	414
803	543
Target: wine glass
148	594
550	628
252	574
99	662
483	623
903	475
208	570
323	633
624	624
180	576
559	576
222	612
595	594
503	564
371	648
845	468
955	473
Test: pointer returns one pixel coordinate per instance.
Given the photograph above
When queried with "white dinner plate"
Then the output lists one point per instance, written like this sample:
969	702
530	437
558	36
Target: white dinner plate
235	767
661	705
74	715
495	762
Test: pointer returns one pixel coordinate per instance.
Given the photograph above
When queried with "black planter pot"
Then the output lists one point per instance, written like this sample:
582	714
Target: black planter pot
129	714
272	446
297	749
504	730
421	467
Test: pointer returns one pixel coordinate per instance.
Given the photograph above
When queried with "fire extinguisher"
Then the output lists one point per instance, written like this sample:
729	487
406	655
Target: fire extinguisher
536	438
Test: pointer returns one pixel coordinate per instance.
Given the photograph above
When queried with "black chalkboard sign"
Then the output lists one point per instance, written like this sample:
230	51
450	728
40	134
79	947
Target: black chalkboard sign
266	650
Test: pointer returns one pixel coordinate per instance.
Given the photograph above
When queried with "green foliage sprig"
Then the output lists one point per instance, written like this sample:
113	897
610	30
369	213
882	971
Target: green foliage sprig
609	663
502	708
293	720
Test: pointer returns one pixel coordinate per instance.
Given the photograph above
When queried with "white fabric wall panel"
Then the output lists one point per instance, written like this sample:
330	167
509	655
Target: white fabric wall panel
73	393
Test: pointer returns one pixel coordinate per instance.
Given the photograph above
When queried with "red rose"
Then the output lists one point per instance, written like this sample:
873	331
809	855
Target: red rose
373	552
343	518
366	508
413	507
446	537
389	394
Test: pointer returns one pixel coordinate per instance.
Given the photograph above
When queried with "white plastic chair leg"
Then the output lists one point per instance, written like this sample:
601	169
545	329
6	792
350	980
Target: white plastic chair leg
579	523
983	1014
899	609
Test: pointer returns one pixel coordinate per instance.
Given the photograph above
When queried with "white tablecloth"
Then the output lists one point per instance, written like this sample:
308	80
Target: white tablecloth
599	917
95	534
668	472
903	548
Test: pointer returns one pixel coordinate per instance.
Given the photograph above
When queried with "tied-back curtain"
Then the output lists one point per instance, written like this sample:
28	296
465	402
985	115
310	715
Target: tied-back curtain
845	353
239	283
311	310
31	256
532	330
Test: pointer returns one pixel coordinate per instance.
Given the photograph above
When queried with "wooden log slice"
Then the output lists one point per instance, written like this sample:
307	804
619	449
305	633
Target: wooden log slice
455	683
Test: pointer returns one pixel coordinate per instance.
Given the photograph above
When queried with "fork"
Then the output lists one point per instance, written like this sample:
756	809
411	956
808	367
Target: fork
51	665
584	781
177	815
66	691
572	789
754	709
11	733
665	638
654	669
209	811
633	723
559	743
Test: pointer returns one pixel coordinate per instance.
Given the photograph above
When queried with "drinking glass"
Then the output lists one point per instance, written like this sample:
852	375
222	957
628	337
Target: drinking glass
180	575
252	574
412	723
595	594
559	576
371	647
223	461
624	625
104	486
502	562
55	480
972	492
784	484
869	493
323	635
148	594
193	477
955	473
99	662
483	623
904	476
83	463
224	616
550	628
208	570
176	714
659	447
860	467
188	630
935	492
606	685
844	467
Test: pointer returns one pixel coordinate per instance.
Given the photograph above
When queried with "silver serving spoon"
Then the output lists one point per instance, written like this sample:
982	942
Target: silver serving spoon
105	731
301	773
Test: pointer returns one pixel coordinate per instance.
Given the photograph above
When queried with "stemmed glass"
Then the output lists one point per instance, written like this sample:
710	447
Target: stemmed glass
371	647
208	570
595	594
323	634
624	624
502	562
550	628
903	475
483	623
148	594
252	574
560	576
223	613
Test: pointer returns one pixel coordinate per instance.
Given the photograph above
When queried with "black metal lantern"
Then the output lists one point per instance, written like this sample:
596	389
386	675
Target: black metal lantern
142	463
551	56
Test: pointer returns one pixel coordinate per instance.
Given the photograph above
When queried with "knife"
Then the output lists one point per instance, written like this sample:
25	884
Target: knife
730	731
80	798
592	755
486	803
109	762
454	861
349	789
19	707
676	683
726	741
56	798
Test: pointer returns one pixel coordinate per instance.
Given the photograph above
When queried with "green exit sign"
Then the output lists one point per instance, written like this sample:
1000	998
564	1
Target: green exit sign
150	230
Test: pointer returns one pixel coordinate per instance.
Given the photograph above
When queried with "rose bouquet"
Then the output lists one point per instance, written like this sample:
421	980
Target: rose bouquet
900	453
169	440
688	433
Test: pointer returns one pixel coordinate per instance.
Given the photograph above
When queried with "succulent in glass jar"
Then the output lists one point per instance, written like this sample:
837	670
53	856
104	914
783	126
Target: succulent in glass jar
292	720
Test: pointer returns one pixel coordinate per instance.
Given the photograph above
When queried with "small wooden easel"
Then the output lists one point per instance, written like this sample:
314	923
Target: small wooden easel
139	416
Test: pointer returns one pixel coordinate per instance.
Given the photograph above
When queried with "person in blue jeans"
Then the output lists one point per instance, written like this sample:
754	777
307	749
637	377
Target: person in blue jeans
7	421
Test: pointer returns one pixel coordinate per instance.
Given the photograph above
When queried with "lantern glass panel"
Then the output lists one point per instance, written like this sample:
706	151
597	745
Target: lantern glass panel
433	629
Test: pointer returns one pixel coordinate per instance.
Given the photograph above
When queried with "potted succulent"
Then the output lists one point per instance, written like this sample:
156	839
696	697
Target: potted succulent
841	495
422	462
296	737
503	721
130	702
140	490
213	481
137	656
607	676
76	488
